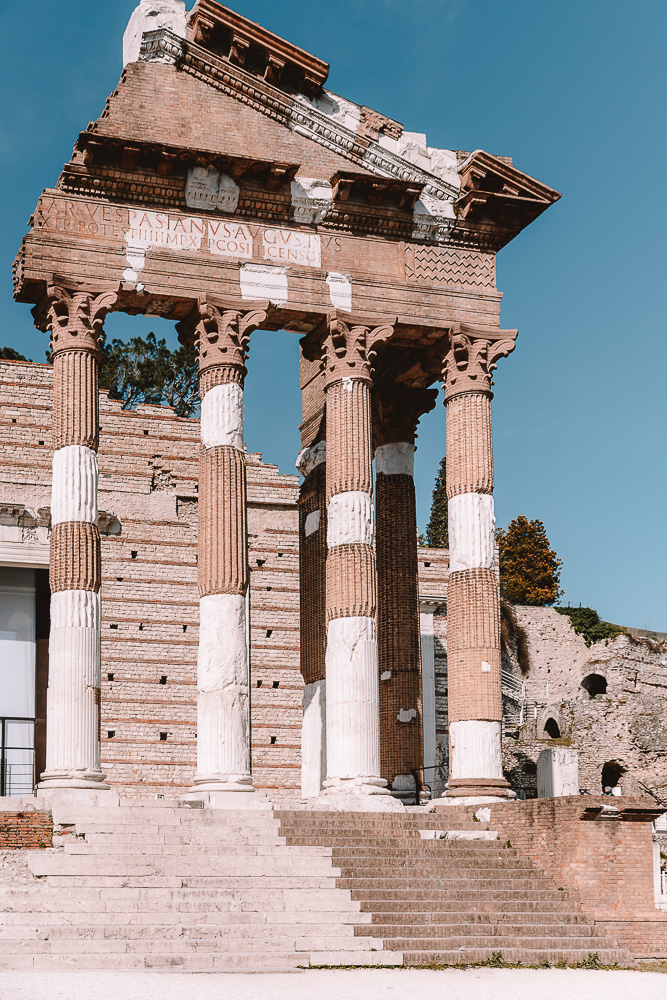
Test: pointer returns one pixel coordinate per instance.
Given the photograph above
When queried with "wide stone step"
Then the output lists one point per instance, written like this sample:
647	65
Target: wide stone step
189	838
446	918
420	865
456	894
42	864
125	899
480	882
211	961
128	939
496	942
83	848
248	884
523	955
437	933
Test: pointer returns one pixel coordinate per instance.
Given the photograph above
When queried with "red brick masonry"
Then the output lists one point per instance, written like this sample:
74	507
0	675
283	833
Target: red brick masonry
29	830
604	863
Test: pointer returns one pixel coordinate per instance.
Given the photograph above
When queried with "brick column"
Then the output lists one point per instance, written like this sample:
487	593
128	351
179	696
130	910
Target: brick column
473	598
221	333
313	621
75	320
396	413
352	711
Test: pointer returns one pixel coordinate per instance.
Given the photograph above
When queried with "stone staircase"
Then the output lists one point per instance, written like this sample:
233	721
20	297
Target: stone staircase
447	901
161	886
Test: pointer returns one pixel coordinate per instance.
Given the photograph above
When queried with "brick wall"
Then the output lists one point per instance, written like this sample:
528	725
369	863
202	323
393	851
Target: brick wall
29	830
605	864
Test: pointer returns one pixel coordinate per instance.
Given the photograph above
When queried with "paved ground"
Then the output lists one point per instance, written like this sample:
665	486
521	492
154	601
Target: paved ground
394	984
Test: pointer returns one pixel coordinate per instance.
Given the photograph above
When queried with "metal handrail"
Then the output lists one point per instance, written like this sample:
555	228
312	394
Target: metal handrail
5	765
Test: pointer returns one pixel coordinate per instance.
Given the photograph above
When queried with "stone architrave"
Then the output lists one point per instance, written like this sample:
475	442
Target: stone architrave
473	597
75	319
557	773
347	347
221	333
397	410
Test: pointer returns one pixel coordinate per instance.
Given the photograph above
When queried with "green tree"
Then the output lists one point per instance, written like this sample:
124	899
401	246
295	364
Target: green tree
9	354
529	567
144	370
437	529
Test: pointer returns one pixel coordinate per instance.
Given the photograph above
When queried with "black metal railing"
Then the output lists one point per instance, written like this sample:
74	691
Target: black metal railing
17	756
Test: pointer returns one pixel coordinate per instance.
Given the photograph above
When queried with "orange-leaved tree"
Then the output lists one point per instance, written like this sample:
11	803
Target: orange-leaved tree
529	567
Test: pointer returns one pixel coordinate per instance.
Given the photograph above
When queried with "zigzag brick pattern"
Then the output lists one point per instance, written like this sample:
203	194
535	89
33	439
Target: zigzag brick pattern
76	416
223	556
443	266
75	561
469	447
349	467
351	588
473	638
312	570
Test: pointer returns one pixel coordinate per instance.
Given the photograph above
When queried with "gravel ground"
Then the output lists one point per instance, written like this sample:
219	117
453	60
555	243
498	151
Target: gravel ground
360	984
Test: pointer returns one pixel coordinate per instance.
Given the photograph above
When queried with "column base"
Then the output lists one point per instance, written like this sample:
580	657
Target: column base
475	791
356	795
90	780
245	797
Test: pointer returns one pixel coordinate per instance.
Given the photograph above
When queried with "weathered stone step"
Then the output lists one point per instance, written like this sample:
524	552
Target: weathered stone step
122	899
420	865
137	865
260	850
523	955
248	884
467	917
409	894
450	931
480	881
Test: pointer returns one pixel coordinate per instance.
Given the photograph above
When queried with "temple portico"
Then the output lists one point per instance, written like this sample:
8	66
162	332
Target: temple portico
326	219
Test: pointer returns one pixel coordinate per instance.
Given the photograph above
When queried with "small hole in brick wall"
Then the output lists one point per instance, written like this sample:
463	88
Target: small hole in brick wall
134	553
276	684
260	562
41	442
427	565
163	680
13	420
185	628
273	740
163	737
280	555
110	677
269	588
113	626
111	733
119	579
145	433
269	633
259	683
141	627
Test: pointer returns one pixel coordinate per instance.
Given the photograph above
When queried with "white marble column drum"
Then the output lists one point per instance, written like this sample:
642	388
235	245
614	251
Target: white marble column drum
74	319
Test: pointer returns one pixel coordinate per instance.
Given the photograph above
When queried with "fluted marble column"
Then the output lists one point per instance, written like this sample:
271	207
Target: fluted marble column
75	319
221	332
313	624
352	696
397	410
473	598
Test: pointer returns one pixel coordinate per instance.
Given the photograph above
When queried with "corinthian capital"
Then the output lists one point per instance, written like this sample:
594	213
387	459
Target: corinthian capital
347	346
472	358
397	410
221	332
74	318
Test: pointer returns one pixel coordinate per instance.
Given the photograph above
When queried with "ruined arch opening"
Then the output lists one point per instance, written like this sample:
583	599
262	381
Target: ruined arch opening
594	685
552	729
612	772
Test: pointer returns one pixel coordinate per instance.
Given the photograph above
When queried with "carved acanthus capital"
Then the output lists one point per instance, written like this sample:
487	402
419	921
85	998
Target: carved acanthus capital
221	332
74	318
397	411
347	346
472	358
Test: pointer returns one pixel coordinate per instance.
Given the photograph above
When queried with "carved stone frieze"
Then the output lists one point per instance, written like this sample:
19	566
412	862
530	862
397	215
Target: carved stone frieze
347	346
221	332
74	317
397	411
472	357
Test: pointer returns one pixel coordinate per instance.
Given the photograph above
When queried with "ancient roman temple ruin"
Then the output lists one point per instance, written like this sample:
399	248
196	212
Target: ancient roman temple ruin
266	727
226	188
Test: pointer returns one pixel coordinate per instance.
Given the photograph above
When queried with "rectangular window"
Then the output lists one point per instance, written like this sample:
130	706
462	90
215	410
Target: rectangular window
18	642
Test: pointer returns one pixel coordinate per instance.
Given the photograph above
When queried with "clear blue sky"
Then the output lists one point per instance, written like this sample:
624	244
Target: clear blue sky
574	91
